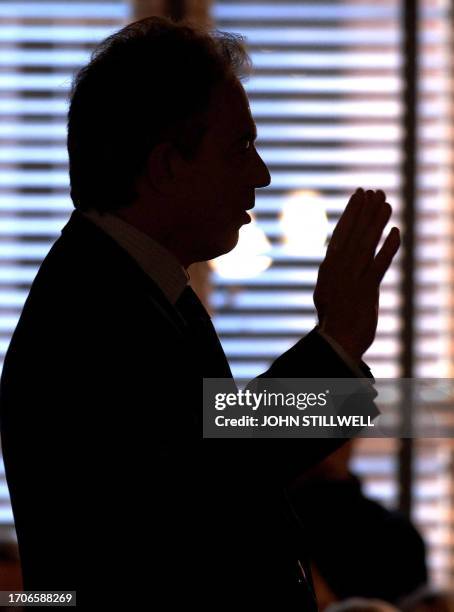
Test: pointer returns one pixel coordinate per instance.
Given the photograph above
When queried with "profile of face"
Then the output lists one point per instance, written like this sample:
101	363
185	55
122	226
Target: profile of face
219	183
195	207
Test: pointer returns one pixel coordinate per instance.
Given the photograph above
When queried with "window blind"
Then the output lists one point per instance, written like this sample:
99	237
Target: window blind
42	44
326	94
433	484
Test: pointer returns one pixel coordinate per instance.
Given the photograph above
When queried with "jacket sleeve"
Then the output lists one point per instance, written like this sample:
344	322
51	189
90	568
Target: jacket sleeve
312	358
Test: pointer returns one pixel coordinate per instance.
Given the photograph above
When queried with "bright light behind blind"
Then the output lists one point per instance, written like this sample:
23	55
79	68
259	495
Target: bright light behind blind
434	230
433	487
326	96
42	44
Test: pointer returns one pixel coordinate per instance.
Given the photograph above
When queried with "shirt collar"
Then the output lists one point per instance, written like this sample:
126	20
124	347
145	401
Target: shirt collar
154	259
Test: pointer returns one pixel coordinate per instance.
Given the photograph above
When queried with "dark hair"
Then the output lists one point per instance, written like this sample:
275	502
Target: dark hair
149	82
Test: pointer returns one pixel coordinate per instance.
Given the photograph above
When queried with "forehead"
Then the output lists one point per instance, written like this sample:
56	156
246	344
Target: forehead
230	115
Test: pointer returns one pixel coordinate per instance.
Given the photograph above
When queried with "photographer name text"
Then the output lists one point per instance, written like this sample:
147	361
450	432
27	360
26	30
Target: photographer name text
295	421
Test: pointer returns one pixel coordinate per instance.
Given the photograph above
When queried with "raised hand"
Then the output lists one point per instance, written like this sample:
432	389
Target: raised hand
348	286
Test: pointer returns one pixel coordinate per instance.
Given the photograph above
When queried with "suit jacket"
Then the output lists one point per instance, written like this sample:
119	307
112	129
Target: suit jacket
100	406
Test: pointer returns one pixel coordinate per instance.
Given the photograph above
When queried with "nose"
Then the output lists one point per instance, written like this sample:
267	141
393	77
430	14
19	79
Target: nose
262	174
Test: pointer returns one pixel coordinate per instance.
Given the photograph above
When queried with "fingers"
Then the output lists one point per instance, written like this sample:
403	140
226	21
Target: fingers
371	232
355	219
358	233
381	195
386	254
371	210
342	231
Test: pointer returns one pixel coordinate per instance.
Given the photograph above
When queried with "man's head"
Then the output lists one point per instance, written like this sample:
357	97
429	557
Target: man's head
161	134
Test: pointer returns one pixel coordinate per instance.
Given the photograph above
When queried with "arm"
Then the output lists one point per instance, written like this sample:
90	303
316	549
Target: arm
346	298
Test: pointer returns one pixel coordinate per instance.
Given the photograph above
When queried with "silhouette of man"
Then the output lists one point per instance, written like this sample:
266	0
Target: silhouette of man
102	384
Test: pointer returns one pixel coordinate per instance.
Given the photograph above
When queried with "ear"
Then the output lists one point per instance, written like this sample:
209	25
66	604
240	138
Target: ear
161	172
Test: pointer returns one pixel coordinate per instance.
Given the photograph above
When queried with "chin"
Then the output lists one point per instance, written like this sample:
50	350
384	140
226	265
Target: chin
221	247
229	244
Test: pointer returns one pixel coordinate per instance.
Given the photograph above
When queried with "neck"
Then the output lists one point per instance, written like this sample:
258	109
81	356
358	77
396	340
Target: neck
154	227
